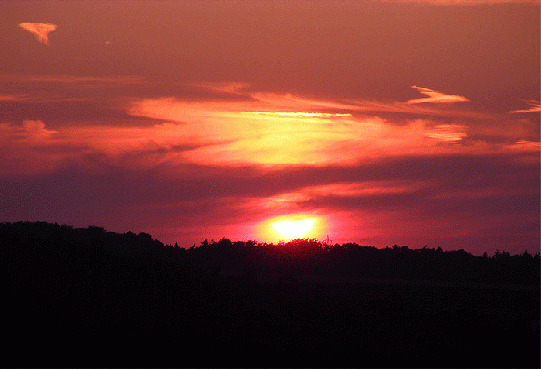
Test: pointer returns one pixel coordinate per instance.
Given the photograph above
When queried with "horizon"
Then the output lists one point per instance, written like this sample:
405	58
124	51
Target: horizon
326	242
378	123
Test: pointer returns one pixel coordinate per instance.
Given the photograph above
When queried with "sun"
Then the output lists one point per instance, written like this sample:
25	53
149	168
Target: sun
289	227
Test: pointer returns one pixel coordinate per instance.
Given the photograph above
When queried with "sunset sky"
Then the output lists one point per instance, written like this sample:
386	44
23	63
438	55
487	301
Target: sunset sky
378	122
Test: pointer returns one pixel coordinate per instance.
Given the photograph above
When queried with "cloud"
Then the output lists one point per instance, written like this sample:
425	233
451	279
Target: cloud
81	81
464	2
535	107
30	148
84	80
35	130
448	132
270	130
13	98
227	135
40	30
289	102
435	97
30	131
225	87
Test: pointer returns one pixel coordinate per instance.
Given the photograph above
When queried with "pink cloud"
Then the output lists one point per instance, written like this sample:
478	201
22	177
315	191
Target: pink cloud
30	131
35	130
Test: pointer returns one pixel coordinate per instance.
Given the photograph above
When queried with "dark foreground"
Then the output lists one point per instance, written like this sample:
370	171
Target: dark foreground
89	297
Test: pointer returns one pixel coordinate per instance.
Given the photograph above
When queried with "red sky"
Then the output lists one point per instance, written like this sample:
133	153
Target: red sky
382	122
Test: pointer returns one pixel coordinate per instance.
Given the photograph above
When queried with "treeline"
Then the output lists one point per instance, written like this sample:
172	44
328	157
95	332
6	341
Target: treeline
73	296
311	261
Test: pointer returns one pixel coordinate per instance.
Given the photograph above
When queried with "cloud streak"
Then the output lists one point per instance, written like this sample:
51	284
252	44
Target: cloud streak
264	129
40	30
535	107
228	135
464	2
435	97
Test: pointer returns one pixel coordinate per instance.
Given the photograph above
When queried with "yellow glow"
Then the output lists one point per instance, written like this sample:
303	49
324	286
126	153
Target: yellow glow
269	130
294	229
448	132
286	130
289	227
297	114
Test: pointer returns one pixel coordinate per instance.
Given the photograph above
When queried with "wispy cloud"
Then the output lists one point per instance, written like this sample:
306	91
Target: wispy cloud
36	131
83	81
225	87
289	102
266	129
448	132
13	98
435	97
40	30
227	135
464	2
535	107
31	131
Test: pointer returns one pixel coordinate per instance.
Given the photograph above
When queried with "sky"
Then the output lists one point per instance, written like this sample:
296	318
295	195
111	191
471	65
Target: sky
377	122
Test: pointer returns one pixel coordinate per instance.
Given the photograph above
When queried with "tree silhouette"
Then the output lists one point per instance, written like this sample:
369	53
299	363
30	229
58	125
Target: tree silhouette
131	299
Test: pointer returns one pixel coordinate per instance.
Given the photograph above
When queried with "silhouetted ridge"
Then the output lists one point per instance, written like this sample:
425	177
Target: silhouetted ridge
312	260
125	299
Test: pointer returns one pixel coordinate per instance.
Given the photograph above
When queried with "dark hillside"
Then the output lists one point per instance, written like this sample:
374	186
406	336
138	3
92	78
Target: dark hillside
91	297
312	261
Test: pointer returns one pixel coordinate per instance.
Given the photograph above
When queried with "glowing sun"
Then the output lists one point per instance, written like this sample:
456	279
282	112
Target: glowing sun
289	227
294	228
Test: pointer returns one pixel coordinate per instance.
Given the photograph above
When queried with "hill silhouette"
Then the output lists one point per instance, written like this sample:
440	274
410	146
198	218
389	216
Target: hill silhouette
74	296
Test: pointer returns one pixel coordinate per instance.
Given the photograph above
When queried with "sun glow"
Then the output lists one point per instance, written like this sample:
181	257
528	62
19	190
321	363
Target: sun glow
295	228
289	227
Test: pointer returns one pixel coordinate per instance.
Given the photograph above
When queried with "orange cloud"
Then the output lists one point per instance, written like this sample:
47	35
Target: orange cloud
435	97
252	132
83	81
35	130
287	201
226	87
465	2
292	102
535	107
29	148
13	98
31	130
40	30
227	135
448	132
525	146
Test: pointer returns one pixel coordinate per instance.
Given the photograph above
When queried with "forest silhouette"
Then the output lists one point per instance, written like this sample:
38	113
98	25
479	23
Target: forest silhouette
86	296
